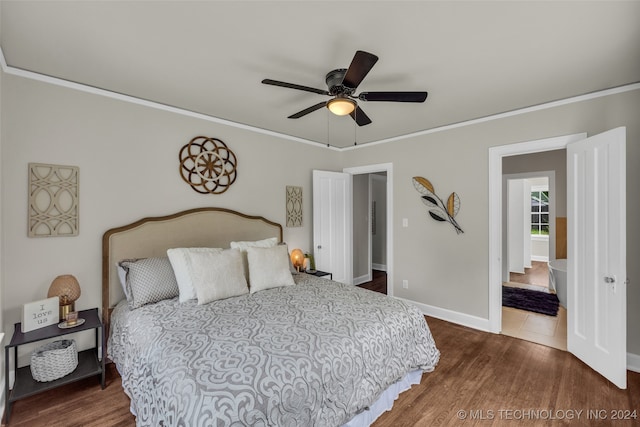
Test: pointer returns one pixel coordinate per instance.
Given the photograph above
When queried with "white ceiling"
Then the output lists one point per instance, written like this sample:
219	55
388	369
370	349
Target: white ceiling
475	58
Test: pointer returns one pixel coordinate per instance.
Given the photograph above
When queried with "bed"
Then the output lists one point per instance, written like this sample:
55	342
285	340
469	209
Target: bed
300	350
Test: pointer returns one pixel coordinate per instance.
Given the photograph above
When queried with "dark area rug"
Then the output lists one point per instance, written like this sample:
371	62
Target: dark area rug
526	299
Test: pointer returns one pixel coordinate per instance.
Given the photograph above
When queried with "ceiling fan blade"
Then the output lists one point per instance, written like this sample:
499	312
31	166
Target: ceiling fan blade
306	111
393	96
361	64
295	86
360	117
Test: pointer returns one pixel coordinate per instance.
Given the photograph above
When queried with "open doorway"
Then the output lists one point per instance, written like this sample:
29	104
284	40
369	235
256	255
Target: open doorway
370	231
372	227
601	156
530	204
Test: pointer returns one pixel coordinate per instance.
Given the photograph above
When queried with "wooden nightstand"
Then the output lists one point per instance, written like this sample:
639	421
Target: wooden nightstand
88	362
319	273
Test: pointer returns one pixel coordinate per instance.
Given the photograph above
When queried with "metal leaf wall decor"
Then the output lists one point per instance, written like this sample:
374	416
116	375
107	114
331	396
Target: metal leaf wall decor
440	211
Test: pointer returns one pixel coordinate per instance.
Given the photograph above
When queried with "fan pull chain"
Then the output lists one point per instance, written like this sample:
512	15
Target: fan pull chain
355	127
328	130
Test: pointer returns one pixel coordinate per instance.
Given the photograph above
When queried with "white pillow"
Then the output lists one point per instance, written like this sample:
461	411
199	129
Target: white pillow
243	246
217	275
269	268
122	276
179	258
264	243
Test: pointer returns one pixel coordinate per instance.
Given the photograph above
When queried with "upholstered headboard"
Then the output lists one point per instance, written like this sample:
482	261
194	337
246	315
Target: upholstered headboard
151	237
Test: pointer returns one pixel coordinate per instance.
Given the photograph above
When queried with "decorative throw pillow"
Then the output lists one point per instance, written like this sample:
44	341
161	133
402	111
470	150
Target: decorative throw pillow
268	268
217	275
149	280
243	246
179	258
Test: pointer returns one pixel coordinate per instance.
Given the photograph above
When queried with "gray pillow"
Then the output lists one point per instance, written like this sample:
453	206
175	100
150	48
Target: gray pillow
149	280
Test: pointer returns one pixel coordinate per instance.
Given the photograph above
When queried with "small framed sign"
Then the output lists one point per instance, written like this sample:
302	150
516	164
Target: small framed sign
39	314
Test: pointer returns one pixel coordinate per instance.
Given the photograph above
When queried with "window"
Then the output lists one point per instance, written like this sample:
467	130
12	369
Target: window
540	212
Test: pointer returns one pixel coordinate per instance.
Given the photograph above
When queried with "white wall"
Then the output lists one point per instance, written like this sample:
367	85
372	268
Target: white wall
128	160
127	156
449	271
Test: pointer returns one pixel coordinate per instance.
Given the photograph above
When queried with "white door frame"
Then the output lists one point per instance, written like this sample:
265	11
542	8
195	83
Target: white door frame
495	213
388	168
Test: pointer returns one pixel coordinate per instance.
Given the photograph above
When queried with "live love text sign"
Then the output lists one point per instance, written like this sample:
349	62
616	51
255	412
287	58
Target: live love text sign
39	314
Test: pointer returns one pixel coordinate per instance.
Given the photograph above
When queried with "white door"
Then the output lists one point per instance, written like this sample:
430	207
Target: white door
596	248
332	224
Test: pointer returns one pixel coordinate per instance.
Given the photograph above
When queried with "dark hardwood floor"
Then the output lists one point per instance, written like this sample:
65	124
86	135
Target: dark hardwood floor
504	380
488	376
378	282
82	403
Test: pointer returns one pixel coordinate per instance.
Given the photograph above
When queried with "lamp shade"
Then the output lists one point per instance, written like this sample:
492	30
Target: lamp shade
341	106
297	258
66	287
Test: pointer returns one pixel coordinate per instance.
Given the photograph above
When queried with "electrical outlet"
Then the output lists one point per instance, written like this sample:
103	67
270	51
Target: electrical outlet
405	284
405	222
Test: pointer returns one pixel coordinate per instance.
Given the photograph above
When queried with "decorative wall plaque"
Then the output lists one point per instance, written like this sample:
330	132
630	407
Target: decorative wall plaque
208	165
53	200
294	206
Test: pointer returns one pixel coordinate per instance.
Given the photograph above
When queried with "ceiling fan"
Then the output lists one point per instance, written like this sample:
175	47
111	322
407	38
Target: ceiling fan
342	84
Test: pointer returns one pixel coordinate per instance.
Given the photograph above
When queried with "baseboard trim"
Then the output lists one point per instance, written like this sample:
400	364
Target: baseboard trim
362	279
379	267
451	316
633	362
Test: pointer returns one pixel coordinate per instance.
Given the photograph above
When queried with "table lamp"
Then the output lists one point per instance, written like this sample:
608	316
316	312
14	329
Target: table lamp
67	288
297	259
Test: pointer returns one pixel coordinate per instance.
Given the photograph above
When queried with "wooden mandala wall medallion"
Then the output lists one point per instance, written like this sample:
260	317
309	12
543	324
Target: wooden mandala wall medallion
208	165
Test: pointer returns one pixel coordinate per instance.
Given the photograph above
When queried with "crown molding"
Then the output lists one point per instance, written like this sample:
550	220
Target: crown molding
32	75
181	111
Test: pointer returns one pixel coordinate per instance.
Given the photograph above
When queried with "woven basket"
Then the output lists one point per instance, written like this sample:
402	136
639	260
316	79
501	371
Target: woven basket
54	360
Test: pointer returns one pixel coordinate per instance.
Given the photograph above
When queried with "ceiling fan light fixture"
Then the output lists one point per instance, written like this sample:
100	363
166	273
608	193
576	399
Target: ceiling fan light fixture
341	106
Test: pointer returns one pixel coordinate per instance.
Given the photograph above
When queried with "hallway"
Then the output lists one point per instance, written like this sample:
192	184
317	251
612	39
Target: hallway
378	282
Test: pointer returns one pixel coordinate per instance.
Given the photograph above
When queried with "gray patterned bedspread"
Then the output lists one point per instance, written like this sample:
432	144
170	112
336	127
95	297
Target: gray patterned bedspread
314	354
